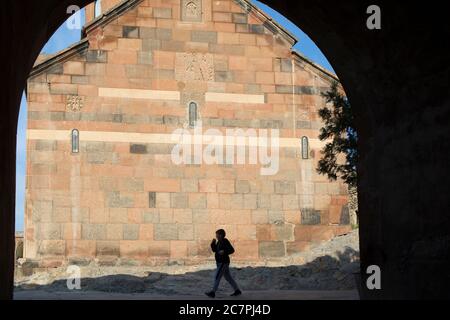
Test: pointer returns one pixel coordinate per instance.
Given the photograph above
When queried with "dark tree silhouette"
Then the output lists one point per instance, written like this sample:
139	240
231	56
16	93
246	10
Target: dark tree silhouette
339	154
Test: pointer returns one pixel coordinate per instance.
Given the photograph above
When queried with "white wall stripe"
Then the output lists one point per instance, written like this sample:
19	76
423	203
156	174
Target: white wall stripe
136	137
139	94
234	98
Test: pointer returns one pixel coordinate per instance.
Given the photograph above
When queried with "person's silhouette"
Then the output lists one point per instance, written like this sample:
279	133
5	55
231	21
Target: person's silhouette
222	249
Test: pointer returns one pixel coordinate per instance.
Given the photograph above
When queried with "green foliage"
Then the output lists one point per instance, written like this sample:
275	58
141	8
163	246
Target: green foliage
341	137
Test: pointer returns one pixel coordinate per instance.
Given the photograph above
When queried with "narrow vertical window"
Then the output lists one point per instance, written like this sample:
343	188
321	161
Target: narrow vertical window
305	148
192	114
75	141
97	8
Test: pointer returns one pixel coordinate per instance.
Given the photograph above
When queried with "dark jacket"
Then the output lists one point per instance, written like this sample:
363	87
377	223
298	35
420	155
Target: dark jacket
224	245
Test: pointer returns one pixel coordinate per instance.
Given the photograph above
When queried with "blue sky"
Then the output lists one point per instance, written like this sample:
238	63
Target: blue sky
64	37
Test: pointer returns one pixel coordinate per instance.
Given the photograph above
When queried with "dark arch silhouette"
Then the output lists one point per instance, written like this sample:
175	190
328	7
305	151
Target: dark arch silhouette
400	98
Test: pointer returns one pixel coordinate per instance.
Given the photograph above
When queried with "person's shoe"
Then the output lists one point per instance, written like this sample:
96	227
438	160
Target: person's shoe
236	293
211	294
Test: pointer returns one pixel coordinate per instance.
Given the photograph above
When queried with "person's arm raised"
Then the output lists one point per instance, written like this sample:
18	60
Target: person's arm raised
213	245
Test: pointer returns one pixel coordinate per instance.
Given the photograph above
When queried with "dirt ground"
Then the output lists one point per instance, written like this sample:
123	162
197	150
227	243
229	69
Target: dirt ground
325	272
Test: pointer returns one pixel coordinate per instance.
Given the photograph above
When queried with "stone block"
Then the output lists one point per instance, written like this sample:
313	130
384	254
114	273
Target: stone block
162	13
114	231
303	124
41	211
242	186
118	215
62	214
208	185
166	231
131	232
132	184
163	34
80	214
186	231
296	247
247	250
197	201
200	216
145	57
310	216
263	232
148	45
290	202
48	231
241	18
171	120
260	216
130	32
334	216
159	249
117	118
163	200
152	199
292	216
276	202
322	233
166	215
74	67
182	216
285	187
93	146
250	201
223	76
237	201
225	201
51	247
138	148
204	36
134	249
204	231
212	200
151	216
146	232
93	231
79	79
81	248
178	249
116	200
57	115
108	248
225	186
263	201
276	216
256	28
96	157
246	232
71	231
267	187
99	56
46	145
283	232
179	200
93	69
272	249
286	66
189	185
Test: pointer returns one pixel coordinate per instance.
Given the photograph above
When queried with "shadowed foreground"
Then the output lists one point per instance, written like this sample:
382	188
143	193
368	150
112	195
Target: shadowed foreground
326	277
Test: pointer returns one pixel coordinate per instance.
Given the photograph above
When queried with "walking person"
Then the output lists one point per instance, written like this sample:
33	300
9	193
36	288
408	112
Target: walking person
222	249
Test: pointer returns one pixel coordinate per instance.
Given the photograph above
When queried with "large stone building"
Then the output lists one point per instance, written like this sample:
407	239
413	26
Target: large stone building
101	177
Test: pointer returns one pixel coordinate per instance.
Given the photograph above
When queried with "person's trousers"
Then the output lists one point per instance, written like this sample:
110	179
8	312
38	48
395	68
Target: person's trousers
223	270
